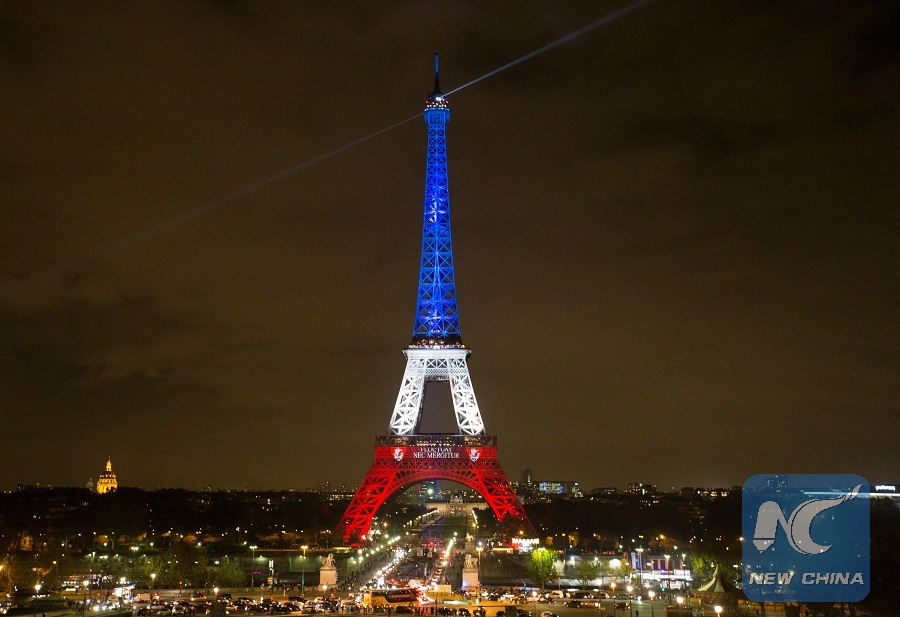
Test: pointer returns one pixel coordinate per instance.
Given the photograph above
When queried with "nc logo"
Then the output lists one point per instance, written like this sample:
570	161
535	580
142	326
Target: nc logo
474	454
797	527
790	565
398	454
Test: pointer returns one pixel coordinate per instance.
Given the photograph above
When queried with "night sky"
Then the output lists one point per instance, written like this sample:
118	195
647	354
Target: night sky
675	237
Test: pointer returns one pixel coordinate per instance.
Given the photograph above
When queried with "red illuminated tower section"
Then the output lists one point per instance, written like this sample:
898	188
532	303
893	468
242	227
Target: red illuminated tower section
406	456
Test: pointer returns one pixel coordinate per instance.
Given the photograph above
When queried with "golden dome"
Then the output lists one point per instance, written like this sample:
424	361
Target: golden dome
107	481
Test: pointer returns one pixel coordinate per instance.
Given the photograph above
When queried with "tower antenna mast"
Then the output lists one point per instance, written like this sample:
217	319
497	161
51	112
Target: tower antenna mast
437	84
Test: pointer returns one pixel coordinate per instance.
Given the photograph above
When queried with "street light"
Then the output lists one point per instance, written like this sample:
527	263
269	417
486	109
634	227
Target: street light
650	594
640	552
718	609
133	560
303	571
252	564
152	580
478	550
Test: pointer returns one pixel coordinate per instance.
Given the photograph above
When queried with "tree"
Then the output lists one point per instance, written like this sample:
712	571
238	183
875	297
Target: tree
622	571
271	540
603	569
7	580
228	574
181	564
188	564
587	570
574	539
704	563
155	564
542	566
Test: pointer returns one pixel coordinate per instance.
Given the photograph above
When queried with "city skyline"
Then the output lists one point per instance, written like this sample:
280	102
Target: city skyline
674	238
635	486
109	477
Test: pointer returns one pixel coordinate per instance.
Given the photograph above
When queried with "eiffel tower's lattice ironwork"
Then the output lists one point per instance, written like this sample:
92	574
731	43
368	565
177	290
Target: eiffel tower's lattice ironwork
405	456
437	318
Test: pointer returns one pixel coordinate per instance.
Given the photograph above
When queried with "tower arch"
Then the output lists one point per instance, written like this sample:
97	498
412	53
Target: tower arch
403	461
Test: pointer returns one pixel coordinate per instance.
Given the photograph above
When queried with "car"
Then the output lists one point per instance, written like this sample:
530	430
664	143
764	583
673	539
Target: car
549	614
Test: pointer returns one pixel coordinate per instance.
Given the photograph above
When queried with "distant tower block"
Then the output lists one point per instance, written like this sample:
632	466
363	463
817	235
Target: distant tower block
406	456
107	482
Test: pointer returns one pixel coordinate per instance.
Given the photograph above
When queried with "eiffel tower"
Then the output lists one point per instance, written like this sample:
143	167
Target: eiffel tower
407	456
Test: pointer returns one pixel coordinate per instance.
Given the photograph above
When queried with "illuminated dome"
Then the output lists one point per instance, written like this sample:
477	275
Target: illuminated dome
107	481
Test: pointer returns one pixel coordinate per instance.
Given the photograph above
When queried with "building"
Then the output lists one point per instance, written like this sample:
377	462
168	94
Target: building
560	487
885	491
107	482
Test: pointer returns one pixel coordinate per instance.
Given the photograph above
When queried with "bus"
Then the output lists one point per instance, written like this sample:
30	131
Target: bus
384	598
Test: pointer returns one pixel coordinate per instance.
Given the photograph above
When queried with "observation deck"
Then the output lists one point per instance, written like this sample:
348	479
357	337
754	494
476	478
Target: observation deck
443	440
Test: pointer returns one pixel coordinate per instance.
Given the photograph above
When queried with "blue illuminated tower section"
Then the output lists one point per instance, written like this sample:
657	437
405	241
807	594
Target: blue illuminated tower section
437	317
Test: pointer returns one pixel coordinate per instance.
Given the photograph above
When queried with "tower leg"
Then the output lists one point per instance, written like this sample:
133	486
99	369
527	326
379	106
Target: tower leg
468	416
408	408
429	364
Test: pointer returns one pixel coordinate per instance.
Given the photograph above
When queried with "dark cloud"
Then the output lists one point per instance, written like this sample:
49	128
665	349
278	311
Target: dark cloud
674	236
75	347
